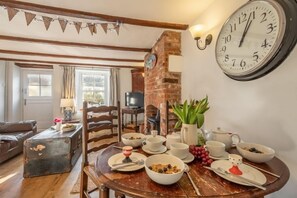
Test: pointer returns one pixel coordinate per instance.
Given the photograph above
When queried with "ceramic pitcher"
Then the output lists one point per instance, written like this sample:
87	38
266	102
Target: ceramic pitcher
222	136
189	134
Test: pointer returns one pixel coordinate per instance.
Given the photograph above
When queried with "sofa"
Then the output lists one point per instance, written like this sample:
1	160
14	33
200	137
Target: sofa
12	137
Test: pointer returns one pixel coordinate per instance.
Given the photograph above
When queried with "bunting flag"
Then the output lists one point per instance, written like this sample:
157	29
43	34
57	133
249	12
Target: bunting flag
47	21
77	26
92	28
11	13
63	24
104	27
116	27
29	17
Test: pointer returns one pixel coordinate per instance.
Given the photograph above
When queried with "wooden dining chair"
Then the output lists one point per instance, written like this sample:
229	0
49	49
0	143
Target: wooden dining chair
99	124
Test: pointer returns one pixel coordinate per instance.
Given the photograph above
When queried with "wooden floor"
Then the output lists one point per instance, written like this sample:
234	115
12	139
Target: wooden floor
13	185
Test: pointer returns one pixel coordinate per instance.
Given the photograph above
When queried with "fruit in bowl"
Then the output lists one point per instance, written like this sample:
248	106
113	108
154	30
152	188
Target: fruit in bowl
164	169
255	152
68	127
133	139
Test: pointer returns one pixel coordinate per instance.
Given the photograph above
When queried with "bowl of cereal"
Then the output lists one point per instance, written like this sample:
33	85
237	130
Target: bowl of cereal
255	152
164	169
133	139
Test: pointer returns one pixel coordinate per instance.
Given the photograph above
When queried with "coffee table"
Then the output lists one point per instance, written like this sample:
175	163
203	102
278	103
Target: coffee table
52	152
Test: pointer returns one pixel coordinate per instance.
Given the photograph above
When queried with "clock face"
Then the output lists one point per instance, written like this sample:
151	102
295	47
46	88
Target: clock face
250	38
151	60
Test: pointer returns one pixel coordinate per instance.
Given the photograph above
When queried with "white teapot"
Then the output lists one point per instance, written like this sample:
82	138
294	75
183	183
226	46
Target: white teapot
222	136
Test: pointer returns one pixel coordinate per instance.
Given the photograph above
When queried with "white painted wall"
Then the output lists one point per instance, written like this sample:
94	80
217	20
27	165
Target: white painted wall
14	112
2	91
262	111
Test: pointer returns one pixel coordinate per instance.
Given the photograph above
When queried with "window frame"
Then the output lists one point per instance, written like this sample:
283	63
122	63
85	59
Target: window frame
37	72
79	88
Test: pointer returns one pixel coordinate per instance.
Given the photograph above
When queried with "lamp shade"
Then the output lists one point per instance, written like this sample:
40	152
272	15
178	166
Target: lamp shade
67	102
196	31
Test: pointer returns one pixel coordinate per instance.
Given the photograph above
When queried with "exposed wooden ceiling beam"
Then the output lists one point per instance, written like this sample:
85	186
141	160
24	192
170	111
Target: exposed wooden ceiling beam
89	15
69	63
69	56
31	65
71	44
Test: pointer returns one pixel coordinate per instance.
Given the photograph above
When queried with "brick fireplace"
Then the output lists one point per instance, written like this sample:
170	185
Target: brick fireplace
160	84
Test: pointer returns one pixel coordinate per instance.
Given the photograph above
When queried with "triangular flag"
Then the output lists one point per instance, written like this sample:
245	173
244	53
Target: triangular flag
29	17
77	26
11	13
63	24
47	21
104	27
117	28
92	28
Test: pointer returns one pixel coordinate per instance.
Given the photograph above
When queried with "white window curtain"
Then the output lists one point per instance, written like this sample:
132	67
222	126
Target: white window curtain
68	91
114	87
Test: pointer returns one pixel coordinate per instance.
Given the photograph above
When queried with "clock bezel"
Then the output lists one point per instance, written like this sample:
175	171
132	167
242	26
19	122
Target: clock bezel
285	46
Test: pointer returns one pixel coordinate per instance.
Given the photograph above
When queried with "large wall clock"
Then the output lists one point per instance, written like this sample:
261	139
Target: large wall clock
257	38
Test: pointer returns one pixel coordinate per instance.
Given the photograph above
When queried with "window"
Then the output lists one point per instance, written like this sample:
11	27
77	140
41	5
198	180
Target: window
39	85
92	86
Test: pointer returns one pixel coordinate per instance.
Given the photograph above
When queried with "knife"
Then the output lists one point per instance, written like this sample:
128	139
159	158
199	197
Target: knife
240	178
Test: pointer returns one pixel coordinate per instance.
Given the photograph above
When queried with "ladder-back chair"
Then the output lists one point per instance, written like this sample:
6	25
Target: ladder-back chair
99	125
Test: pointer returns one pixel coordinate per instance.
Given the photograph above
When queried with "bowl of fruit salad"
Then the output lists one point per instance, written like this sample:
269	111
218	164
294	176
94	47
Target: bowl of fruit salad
164	169
255	152
133	139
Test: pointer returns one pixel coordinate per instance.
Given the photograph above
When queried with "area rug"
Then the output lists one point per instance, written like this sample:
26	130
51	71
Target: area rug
92	158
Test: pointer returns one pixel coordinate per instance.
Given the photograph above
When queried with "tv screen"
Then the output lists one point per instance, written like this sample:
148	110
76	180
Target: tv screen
134	99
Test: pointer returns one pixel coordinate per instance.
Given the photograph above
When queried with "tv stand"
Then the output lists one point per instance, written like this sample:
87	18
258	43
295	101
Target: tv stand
131	111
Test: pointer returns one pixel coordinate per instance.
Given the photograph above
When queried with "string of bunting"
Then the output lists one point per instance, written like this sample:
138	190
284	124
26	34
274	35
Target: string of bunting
92	26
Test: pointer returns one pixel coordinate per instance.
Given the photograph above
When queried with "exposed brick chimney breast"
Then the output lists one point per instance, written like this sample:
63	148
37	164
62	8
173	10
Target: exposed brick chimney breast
161	85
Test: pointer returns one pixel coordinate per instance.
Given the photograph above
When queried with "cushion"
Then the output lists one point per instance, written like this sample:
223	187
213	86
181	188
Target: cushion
15	127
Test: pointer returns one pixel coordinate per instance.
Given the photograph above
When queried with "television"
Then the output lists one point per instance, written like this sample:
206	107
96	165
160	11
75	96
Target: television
134	99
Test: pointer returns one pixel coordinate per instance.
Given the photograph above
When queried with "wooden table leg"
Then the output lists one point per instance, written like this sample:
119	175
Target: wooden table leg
103	192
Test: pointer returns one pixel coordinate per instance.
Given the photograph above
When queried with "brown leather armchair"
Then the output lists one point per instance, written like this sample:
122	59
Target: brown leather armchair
12	137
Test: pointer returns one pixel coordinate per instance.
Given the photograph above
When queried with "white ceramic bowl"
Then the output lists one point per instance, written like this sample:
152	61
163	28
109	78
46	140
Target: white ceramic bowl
266	155
133	139
161	178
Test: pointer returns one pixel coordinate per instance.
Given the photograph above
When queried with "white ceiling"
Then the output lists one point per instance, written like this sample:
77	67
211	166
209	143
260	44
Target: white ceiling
172	11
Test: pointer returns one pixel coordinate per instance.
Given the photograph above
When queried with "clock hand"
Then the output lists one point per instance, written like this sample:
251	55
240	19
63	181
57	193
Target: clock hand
247	26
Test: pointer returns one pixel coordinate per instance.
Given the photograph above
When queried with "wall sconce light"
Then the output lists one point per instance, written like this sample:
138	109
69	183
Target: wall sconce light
196	32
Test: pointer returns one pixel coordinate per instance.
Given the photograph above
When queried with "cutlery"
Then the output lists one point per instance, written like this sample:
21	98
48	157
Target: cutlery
265	171
122	163
243	179
187	169
119	147
139	163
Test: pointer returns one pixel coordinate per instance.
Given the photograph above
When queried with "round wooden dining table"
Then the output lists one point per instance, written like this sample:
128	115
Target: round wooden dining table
138	184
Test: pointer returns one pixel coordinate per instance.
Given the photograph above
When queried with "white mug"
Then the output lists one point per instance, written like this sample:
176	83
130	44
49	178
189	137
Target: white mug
153	143
215	148
180	150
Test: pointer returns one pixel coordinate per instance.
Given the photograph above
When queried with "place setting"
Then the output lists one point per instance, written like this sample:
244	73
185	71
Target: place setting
127	160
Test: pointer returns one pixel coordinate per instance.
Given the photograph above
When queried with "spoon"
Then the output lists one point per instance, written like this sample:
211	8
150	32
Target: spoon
186	170
139	163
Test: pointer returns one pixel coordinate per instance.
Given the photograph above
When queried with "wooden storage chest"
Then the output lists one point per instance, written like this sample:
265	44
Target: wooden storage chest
52	152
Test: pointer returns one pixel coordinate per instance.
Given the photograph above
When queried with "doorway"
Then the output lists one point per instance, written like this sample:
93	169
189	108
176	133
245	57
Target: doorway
37	97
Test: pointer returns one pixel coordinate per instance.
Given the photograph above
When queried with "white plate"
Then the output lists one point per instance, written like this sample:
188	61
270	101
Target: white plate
118	158
159	136
186	160
147	150
224	156
248	172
